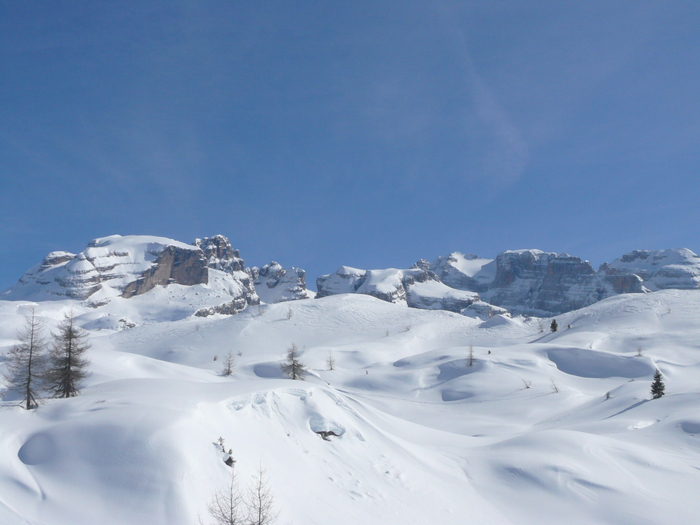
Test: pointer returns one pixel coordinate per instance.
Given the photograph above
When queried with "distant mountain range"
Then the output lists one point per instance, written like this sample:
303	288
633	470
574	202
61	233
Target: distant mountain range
527	282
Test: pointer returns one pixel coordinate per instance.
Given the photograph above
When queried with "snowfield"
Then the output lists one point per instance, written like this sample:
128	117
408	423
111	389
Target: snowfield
543	428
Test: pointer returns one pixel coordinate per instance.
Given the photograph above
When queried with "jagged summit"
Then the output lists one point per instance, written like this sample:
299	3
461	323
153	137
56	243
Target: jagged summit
220	255
525	281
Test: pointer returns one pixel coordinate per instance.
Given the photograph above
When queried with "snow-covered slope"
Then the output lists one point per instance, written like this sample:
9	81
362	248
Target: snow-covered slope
542	428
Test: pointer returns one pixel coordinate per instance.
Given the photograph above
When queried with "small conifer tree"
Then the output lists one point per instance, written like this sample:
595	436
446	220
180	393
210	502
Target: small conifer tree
293	367
554	326
68	366
657	386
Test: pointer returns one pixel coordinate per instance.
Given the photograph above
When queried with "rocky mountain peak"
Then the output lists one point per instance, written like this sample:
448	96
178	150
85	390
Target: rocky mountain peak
219	254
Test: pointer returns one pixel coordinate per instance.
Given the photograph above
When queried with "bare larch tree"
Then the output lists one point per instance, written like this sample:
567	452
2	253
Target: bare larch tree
226	506
260	502
293	367
68	366
26	362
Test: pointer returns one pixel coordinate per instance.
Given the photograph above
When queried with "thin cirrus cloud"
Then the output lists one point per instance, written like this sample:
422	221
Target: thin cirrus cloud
504	152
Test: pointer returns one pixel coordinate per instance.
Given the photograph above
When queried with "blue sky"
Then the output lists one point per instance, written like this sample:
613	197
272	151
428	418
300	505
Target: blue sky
367	134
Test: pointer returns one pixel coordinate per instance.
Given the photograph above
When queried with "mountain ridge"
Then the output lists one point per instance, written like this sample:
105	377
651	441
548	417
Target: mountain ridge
523	282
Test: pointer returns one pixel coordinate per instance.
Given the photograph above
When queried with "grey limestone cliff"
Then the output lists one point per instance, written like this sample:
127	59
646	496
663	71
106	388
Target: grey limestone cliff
539	283
174	265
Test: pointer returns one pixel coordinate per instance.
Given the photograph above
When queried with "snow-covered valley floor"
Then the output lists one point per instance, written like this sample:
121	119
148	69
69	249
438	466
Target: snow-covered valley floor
543	428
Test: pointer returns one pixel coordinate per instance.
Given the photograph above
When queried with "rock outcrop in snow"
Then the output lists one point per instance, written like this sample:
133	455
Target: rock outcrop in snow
276	284
220	255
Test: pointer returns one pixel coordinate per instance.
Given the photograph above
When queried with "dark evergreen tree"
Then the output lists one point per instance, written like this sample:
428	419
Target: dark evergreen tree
68	366
26	362
293	367
657	386
554	326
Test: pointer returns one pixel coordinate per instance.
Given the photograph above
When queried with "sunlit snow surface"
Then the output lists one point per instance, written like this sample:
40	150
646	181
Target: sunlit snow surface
422	437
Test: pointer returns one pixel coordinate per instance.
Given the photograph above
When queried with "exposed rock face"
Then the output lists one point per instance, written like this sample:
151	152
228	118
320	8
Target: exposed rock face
533	282
415	287
174	265
219	254
275	284
464	271
230	308
111	266
660	269
130	266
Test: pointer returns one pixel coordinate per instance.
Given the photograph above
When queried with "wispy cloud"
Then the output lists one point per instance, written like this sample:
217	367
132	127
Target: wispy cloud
506	152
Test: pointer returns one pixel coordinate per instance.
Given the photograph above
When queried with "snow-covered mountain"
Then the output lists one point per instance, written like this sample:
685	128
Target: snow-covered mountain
111	267
115	268
464	271
435	417
539	283
528	282
661	269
